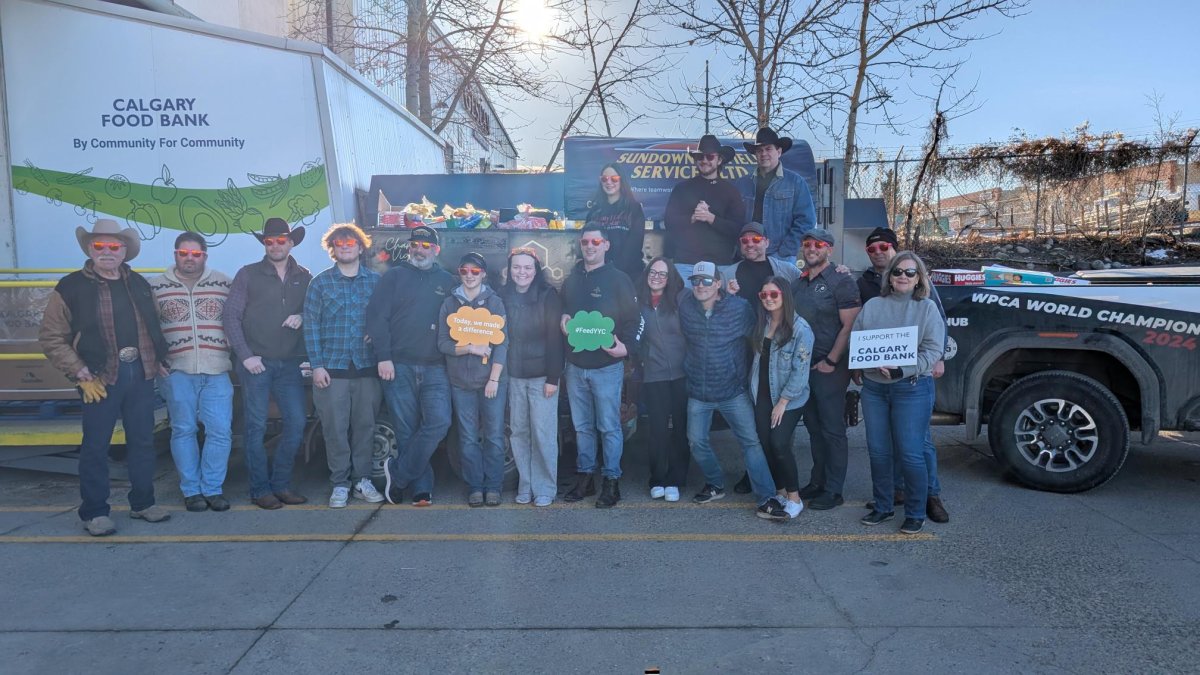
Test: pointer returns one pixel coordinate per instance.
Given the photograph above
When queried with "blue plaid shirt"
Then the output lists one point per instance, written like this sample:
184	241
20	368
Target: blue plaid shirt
335	319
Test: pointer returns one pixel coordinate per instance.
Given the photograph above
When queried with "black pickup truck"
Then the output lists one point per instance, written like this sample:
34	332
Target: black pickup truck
1061	375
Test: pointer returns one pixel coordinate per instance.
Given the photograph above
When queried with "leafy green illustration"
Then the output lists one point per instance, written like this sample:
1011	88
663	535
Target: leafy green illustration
589	331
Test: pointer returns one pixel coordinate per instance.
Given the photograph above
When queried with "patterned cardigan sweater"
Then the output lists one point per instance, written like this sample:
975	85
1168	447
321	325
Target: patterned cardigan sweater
191	320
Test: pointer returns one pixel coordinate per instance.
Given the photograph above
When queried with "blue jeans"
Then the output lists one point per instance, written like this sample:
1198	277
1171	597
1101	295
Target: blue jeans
595	397
281	379
480	423
131	399
194	400
897	419
935	486
739	413
419	400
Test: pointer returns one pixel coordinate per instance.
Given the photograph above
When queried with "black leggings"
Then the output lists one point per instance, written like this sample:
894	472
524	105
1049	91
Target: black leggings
666	404
777	443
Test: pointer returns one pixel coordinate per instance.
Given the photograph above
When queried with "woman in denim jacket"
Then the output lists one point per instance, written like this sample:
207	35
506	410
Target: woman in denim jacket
782	343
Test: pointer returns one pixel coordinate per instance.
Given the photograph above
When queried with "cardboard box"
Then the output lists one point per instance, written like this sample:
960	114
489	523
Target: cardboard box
956	277
998	275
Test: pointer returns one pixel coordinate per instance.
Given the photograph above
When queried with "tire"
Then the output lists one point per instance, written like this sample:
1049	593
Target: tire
1059	431
383	446
454	458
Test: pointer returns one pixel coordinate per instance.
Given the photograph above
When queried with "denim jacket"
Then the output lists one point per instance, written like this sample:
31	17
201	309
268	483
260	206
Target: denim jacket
787	211
789	367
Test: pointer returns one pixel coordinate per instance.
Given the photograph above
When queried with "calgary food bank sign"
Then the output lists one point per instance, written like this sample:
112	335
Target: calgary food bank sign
163	129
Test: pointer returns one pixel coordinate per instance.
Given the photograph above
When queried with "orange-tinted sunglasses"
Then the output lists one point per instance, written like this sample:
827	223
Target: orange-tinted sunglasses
345	242
472	270
109	245
185	252
880	247
421	244
610	179
769	295
594	241
815	243
275	241
752	239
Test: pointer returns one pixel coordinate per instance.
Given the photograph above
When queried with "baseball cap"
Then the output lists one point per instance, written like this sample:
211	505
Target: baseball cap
704	269
424	233
883	234
820	235
753	227
473	258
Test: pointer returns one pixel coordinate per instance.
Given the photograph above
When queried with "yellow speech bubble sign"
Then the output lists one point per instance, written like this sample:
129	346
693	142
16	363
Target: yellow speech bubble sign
475	326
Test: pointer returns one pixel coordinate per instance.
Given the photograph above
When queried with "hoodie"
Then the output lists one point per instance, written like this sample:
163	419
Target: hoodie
609	291
469	371
402	315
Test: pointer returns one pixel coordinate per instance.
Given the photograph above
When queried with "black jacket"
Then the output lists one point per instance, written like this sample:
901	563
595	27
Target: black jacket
609	291
402	315
689	242
535	340
625	227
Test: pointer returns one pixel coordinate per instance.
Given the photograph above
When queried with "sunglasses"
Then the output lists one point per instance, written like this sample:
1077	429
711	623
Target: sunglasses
472	270
881	247
815	243
610	179
752	239
275	241
703	281
655	274
421	244
185	253
594	241
106	245
345	242
710	156
910	273
769	295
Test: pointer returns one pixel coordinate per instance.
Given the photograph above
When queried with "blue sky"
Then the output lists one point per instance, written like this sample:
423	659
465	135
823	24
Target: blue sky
1062	63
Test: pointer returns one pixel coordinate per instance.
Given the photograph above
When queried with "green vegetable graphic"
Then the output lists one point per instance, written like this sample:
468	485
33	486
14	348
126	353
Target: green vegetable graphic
214	212
589	331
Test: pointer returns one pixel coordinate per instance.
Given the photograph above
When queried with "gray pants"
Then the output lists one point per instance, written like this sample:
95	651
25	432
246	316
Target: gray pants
347	410
533	419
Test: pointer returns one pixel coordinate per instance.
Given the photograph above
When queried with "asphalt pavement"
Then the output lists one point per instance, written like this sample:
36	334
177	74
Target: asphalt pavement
1017	581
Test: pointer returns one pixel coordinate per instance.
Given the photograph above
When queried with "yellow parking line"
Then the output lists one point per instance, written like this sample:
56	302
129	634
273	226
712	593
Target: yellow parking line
475	538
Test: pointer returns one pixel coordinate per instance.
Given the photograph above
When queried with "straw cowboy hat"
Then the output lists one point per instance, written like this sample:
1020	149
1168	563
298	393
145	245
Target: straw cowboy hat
128	236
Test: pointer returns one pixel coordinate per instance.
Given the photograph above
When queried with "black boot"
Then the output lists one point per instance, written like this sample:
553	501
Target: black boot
610	494
585	486
743	485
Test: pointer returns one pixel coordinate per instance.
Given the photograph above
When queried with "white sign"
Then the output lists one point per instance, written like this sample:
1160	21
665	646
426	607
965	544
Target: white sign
883	348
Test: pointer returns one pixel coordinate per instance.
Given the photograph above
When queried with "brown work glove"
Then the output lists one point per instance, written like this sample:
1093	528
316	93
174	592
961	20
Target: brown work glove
92	390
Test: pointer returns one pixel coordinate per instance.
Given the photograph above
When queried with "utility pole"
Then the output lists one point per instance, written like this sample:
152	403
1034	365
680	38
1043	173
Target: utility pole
706	96
329	24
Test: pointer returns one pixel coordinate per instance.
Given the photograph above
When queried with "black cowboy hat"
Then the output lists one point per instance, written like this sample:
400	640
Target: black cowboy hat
709	143
767	136
277	226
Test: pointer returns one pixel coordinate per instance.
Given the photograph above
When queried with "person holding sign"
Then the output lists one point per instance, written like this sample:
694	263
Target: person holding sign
897	397
535	366
471	335
602	323
782	343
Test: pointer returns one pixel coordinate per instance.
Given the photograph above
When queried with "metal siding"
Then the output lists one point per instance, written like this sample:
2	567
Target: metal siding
369	138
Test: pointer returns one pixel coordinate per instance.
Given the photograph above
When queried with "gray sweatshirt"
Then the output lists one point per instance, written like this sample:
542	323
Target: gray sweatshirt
897	311
467	371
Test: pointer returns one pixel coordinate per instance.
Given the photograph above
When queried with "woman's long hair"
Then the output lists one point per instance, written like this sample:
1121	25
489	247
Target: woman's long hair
783	333
625	201
670	294
920	290
539	278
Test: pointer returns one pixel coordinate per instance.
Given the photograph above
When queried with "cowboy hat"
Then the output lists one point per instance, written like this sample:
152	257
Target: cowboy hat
767	136
709	143
277	226
128	236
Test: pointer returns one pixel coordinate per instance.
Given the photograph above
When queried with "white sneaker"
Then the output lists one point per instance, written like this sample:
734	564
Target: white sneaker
657	492
339	497
792	508
671	494
365	490
523	499
543	501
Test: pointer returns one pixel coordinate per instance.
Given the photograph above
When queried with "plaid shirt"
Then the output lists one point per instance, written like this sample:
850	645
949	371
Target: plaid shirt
335	319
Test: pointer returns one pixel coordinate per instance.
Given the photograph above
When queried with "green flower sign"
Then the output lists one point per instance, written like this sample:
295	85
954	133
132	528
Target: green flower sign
589	331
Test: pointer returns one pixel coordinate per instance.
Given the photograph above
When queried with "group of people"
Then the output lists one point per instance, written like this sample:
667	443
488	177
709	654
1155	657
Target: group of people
726	322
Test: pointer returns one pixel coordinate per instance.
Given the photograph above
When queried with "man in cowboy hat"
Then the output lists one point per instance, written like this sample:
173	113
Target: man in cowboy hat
101	329
778	198
705	212
262	323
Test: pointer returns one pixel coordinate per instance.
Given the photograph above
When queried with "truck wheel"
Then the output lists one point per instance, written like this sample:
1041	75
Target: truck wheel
454	458
383	446
1059	431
